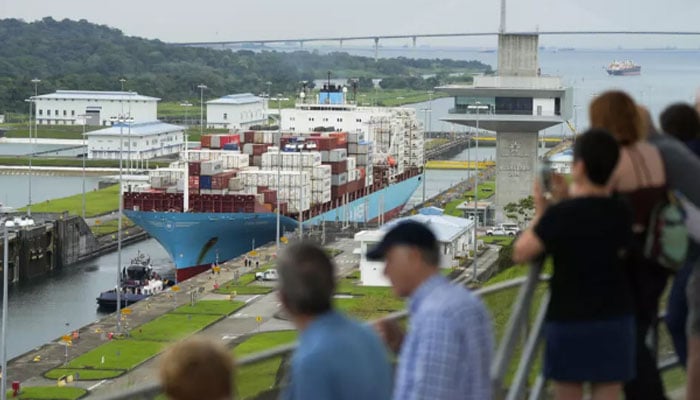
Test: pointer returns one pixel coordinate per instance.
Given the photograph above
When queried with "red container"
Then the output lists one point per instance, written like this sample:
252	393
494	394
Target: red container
342	137
283	208
193	181
261	189
226	139
270	196
249	137
206	141
220	181
194	168
259	149
338	191
338	167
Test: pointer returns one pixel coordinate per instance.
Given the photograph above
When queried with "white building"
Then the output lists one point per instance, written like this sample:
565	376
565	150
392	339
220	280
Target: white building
394	131
140	141
454	236
69	107
236	111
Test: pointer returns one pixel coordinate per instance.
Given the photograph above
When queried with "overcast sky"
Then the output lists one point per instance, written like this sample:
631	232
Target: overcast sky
214	20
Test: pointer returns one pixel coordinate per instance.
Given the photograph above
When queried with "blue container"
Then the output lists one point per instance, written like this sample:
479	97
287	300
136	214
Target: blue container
205	182
231	146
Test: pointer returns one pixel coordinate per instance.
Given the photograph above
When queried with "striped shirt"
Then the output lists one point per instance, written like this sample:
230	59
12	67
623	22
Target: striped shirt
447	352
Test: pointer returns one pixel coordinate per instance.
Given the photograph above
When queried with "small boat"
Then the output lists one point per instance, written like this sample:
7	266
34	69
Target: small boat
623	68
138	281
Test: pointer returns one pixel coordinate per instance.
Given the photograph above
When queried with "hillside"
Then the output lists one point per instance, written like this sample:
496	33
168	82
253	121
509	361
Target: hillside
80	55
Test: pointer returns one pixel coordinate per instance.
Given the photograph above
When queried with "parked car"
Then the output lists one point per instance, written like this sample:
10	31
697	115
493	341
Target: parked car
503	230
269	275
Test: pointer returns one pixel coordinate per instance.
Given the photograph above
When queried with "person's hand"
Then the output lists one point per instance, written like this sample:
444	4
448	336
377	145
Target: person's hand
390	333
541	202
560	188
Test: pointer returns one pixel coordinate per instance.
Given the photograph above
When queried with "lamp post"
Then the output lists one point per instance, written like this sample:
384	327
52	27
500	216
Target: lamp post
5	263
84	120
477	106
201	88
122	120
425	127
279	162
35	81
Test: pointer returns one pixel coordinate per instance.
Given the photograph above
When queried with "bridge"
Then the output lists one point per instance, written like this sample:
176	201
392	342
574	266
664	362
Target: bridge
414	37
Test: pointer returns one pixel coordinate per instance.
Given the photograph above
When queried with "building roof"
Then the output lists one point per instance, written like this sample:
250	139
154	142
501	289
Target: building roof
240	98
95	95
445	227
139	129
432	210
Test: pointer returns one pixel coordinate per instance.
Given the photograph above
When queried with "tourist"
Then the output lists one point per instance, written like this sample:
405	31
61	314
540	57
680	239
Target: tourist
197	368
590	328
640	178
446	353
337	358
682	122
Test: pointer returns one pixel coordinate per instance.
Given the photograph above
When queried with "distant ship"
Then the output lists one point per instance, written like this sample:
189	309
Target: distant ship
623	68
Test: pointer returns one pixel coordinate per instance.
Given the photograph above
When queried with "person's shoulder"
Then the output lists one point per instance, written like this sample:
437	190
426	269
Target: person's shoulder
452	299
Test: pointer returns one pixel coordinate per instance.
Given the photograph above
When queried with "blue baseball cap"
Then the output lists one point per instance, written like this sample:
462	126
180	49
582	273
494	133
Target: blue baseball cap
407	233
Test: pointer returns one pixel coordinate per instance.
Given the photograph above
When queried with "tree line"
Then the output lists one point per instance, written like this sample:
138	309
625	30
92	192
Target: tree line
81	55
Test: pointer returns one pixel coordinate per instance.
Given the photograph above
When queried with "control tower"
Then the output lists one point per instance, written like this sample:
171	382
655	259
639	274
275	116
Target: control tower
517	103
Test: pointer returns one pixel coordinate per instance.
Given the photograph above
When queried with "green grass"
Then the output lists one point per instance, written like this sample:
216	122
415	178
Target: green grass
108	227
264	341
368	302
49	392
498	239
261	376
118	354
171	327
68	162
244	286
97	202
85	374
486	190
216	307
21	130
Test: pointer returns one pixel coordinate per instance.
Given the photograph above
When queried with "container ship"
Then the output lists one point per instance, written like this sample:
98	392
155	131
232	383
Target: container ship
329	161
623	68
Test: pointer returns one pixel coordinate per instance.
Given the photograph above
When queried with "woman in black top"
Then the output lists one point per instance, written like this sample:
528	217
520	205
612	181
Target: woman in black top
589	327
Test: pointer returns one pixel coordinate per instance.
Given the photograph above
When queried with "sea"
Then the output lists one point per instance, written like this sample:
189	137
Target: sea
45	309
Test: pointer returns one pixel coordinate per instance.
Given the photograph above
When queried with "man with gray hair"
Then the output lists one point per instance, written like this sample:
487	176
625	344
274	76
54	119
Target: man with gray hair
337	358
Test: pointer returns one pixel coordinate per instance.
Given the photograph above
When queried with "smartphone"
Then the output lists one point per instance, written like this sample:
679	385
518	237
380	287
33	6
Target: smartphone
545	176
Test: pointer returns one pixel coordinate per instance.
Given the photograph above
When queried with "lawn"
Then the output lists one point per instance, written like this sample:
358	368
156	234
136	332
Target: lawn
85	374
486	190
215	307
118	354
244	286
173	326
21	130
498	239
255	378
368	302
69	162
49	392
110	226
97	202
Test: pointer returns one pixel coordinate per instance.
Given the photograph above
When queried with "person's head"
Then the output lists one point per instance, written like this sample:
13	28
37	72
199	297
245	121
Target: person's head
306	280
197	368
616	112
596	154
647	121
681	121
411	253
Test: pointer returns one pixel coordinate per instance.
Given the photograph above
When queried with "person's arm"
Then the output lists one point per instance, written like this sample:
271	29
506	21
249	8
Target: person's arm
682	167
529	245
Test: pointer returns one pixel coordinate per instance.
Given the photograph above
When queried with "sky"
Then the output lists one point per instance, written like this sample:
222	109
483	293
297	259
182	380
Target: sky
220	20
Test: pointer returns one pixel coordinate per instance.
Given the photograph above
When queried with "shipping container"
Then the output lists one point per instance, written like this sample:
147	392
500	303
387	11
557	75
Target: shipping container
205	182
339	179
338	167
235	184
194	168
211	167
337	155
352	163
206	141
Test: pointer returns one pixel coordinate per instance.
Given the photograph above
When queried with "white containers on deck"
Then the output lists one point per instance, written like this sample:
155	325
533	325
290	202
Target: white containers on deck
211	167
352	163
339	179
337	155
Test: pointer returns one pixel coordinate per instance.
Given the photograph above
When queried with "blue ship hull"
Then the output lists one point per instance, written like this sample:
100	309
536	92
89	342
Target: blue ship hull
196	240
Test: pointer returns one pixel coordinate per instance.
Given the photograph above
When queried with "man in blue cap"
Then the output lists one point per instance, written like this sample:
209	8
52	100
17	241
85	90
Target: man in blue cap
446	354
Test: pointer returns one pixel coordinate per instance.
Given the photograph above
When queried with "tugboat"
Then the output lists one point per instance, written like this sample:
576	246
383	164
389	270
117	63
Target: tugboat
138	281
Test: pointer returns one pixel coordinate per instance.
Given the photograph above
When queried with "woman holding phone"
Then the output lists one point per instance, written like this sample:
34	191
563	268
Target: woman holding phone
590	328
